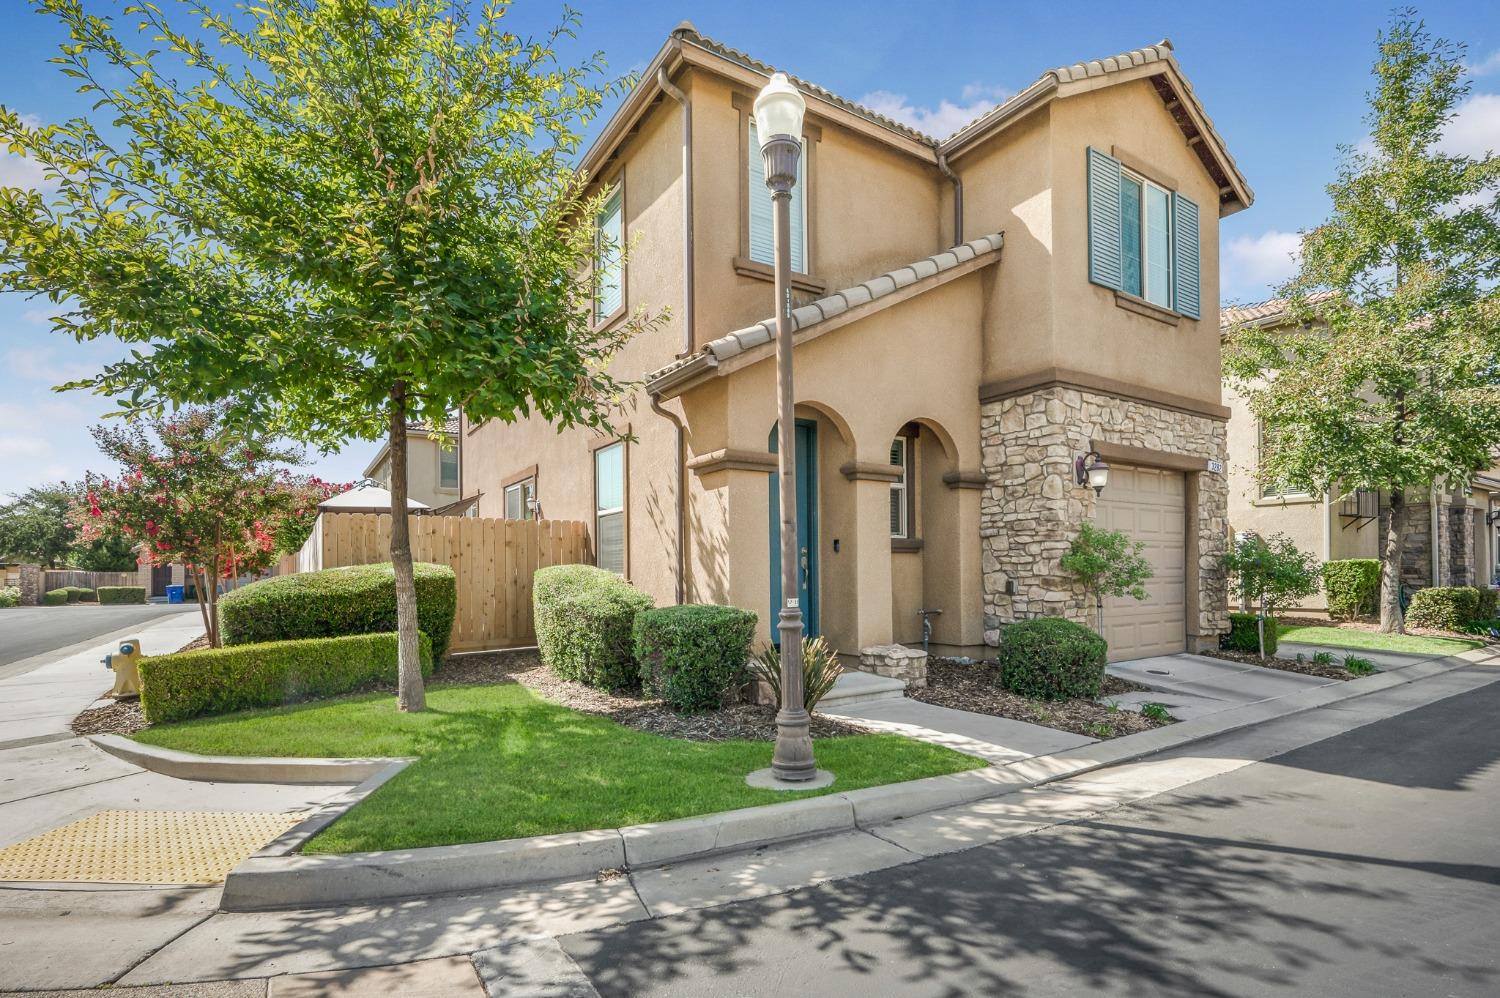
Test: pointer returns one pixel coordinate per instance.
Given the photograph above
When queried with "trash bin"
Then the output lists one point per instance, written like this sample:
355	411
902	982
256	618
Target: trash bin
174	594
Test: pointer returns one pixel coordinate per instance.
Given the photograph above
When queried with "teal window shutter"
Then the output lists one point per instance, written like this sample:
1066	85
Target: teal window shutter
762	245
1104	219
1185	266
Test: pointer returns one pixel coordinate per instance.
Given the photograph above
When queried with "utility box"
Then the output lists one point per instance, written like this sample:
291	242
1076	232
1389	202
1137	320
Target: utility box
126	663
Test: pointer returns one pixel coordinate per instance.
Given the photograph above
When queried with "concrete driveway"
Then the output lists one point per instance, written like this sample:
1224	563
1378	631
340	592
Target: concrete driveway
33	632
1191	686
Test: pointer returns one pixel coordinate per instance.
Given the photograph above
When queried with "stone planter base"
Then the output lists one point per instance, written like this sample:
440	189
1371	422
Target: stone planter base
896	662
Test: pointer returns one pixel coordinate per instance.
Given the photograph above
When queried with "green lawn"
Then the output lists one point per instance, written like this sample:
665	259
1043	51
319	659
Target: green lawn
496	762
1349	637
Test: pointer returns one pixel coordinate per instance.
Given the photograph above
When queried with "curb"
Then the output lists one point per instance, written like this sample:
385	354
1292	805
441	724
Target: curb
239	769
276	878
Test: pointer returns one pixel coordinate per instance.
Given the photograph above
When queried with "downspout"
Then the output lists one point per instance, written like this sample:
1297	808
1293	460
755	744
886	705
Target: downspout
958	197
678	431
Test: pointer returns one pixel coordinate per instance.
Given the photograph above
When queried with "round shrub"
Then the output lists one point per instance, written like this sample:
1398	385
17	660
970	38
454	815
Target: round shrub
358	599
1050	658
1353	587
80	594
1446	608
55	597
693	656
585	618
9	596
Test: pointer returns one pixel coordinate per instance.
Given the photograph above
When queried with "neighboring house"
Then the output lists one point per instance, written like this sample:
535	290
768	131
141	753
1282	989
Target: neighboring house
1041	284
432	465
1456	523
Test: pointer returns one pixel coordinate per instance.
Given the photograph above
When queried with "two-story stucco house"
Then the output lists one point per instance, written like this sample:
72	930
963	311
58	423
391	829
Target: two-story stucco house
432	461
974	314
1453	540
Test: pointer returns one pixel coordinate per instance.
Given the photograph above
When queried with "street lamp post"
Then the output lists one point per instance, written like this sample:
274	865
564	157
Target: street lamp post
778	119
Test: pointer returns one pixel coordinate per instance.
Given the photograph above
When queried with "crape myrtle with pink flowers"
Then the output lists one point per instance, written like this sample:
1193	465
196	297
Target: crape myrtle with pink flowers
195	489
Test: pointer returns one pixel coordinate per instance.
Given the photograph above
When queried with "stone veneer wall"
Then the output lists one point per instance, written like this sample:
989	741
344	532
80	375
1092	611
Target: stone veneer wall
1416	554
1459	565
1031	509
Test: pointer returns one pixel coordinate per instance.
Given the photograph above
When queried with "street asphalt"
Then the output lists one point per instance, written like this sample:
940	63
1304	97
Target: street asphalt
1364	864
29	631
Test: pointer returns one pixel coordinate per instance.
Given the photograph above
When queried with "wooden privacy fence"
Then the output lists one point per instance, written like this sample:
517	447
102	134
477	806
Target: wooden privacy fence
493	560
59	578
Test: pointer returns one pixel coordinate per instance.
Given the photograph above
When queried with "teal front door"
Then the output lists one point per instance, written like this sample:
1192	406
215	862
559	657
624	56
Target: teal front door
807	530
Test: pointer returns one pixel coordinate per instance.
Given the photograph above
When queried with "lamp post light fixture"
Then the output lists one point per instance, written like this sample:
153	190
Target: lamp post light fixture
779	109
1091	470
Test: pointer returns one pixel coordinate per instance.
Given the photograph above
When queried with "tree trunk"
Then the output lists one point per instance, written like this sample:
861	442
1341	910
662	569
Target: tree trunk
213	604
1392	621
203	608
410	694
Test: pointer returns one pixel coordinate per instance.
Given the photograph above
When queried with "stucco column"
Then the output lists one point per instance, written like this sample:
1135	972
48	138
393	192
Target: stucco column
730	553
872	528
968	574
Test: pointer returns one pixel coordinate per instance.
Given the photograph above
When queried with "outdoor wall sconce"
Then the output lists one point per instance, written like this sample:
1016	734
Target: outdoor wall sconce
1092	471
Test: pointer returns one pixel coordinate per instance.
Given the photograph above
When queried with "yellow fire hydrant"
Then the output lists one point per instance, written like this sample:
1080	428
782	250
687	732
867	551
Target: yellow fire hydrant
127	666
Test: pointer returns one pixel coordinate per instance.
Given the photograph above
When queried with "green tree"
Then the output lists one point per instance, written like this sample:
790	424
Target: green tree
1387	379
337	217
110	552
1108	563
194	490
36	527
1271	573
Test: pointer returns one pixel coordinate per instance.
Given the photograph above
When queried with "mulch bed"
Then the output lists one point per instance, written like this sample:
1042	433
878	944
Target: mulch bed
123	717
977	688
1306	667
739	722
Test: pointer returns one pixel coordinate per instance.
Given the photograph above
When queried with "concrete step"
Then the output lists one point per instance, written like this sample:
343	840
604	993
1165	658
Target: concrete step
862	687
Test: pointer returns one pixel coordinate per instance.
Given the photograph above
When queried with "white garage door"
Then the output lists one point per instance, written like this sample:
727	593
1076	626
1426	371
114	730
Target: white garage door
1147	505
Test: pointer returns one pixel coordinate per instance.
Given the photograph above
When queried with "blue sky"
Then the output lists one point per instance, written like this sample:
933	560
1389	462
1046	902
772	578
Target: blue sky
1284	83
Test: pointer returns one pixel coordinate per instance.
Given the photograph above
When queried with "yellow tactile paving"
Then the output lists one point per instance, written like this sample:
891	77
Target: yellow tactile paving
144	847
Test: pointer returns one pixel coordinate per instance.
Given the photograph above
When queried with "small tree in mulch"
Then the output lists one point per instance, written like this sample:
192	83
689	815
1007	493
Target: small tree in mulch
1108	563
198	491
1272	573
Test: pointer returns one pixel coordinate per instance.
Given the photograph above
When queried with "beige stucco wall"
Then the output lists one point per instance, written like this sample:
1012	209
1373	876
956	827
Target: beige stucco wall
422	471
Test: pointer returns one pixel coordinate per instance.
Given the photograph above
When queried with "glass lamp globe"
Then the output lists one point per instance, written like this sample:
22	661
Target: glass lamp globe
779	109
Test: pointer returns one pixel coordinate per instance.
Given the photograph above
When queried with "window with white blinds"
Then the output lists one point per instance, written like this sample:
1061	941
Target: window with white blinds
608	289
518	500
900	508
609	507
762	247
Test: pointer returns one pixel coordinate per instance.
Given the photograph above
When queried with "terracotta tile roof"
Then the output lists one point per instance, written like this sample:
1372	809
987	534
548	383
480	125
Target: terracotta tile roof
809	315
690	34
1261	313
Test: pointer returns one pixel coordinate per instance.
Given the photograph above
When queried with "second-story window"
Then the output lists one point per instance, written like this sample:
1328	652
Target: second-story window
1143	238
447	467
762	247
608	287
1270	489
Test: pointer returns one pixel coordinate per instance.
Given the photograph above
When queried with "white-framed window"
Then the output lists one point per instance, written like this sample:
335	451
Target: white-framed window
609	507
762	245
520	500
900	489
608	257
1146	239
448	467
1266	439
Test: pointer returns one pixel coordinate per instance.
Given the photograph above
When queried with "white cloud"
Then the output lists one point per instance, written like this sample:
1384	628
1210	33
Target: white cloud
1264	261
1484	67
23	171
1475	128
943	120
41	364
14	445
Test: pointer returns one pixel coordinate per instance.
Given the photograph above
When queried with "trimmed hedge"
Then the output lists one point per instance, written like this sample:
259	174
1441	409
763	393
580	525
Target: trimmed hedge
693	656
55	597
1353	587
585	619
1448	608
80	594
1243	635
10	596
359	599
121	594
1489	602
219	680
1050	658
